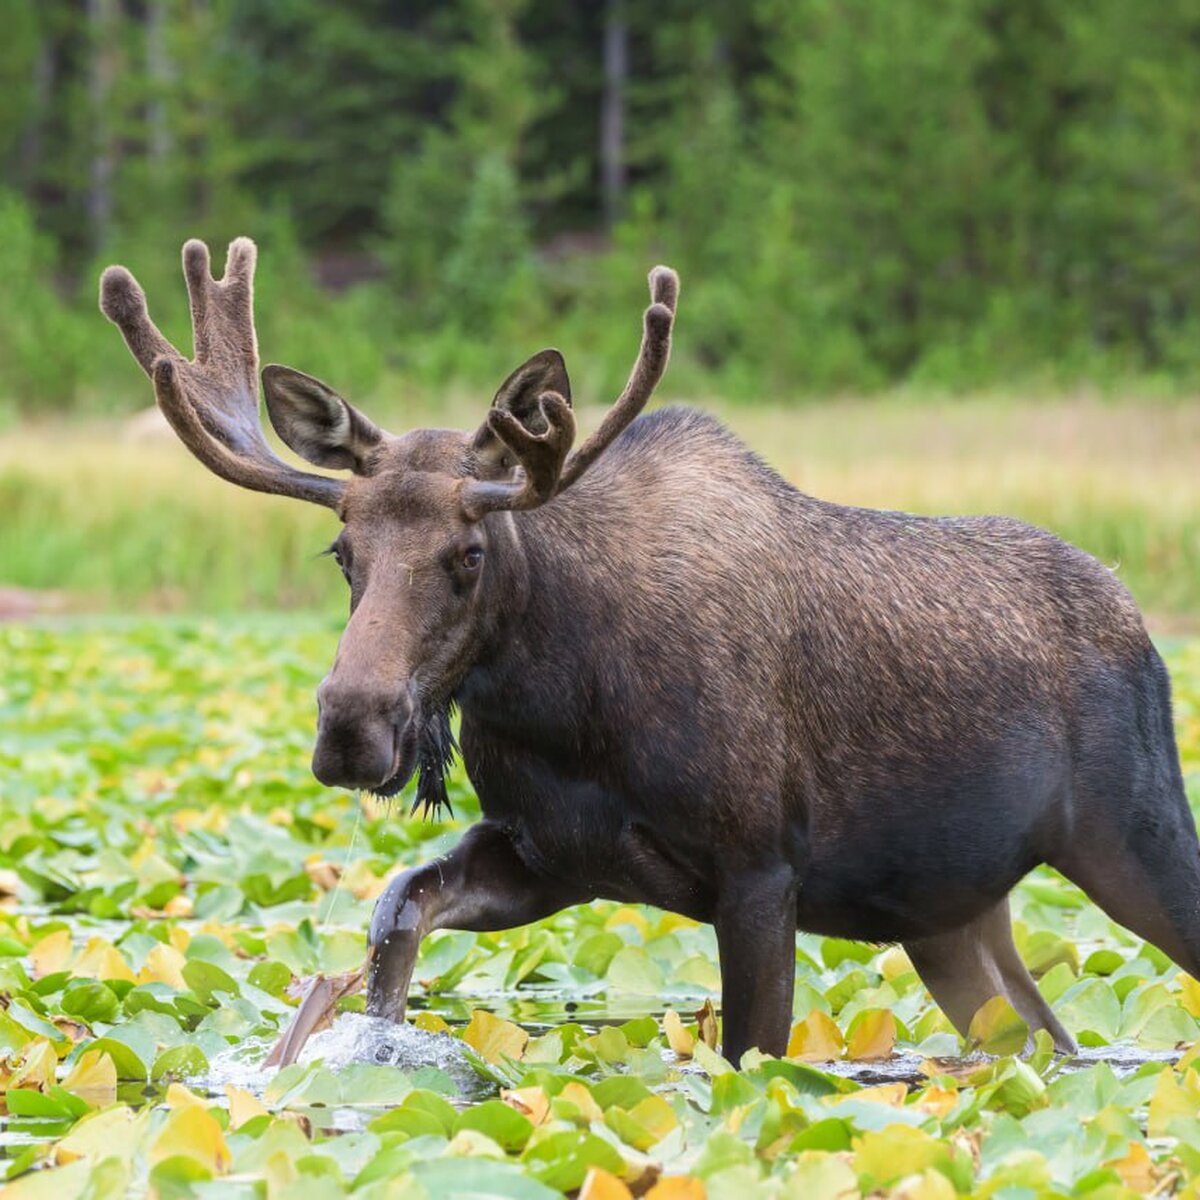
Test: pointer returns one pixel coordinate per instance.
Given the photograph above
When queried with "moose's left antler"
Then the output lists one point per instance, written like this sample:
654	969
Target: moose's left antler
541	440
643	379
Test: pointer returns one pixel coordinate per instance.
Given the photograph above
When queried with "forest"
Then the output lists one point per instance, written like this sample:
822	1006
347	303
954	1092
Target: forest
947	197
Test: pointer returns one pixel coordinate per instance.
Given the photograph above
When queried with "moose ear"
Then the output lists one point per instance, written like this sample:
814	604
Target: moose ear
544	372
316	422
518	394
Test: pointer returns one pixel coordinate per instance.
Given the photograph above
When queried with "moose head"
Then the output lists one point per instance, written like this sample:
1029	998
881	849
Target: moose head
428	546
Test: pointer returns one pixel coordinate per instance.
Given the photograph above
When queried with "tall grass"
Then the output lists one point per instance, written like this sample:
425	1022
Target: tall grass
117	525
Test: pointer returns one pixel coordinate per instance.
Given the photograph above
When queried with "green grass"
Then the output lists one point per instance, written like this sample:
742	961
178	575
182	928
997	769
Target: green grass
170	867
117	524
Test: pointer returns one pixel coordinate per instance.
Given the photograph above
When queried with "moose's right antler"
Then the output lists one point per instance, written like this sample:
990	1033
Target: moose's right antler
212	401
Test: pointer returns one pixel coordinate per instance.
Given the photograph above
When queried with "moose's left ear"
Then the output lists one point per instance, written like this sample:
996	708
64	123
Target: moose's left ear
316	422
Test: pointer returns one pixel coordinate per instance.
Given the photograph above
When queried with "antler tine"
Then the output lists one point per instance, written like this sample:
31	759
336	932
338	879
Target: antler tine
647	371
212	401
541	456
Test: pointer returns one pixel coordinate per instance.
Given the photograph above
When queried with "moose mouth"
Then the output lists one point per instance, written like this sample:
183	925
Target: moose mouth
405	760
425	744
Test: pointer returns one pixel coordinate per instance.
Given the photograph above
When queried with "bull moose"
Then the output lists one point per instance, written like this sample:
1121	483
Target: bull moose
685	683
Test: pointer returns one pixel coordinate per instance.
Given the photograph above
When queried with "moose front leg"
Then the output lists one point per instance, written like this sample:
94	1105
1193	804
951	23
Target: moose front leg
756	940
481	885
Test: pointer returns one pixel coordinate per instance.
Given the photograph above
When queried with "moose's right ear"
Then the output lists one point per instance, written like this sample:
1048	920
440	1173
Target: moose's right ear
544	372
316	422
519	395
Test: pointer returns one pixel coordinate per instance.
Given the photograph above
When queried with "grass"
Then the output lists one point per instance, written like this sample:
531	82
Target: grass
117	524
169	869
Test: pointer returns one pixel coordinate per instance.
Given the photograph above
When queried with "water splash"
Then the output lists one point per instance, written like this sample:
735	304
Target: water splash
354	1037
240	1066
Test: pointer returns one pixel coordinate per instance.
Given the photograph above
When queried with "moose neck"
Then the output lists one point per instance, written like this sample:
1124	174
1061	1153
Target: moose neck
510	587
539	624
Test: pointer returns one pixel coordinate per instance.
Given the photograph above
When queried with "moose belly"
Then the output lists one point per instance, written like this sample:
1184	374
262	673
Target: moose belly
902	862
877	861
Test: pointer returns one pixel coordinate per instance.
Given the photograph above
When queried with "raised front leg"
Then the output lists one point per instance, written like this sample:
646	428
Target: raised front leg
756	938
480	885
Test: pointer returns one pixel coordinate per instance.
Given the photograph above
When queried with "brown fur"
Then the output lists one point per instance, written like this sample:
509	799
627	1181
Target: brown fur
684	682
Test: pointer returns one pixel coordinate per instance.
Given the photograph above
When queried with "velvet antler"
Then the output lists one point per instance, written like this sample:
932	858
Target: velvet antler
212	401
541	438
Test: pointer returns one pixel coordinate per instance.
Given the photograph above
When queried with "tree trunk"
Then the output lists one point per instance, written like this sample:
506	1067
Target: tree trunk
612	111
161	70
101	15
29	154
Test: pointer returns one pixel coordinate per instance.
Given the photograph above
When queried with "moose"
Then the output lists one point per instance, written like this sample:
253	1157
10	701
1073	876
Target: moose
685	683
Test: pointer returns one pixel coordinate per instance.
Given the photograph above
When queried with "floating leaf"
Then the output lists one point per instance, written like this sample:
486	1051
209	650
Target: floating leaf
884	1156
678	1038
633	970
102	960
821	1176
872	1034
678	1187
815	1039
51	954
600	1184
706	1024
126	1061
562	1159
164	964
179	1062
1173	1097
531	1102
111	1131
93	1078
37	1067
1189	994
191	1131
430	1022
997	1028
1137	1169
243	1106
501	1122
891	1094
493	1038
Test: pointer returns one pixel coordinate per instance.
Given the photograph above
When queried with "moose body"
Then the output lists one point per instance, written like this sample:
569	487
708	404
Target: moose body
685	683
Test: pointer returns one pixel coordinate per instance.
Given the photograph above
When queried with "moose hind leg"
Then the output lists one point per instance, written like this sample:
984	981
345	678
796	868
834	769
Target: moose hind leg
482	884
1133	846
1147	878
965	968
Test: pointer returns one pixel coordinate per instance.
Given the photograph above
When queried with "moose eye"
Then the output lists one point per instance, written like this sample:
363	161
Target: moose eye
472	559
335	553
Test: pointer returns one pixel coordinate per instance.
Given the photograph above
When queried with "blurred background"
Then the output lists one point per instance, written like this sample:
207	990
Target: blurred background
936	254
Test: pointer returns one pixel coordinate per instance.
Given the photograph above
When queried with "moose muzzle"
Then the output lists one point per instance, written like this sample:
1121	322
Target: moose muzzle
364	736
